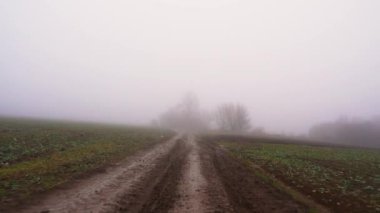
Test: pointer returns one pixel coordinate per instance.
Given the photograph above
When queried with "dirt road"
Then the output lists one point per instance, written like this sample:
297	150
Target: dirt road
181	175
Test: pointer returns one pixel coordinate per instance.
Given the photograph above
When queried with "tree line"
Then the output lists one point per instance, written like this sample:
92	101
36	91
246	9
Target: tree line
187	115
349	132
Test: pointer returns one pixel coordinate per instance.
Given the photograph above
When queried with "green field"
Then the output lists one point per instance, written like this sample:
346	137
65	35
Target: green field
38	155
341	178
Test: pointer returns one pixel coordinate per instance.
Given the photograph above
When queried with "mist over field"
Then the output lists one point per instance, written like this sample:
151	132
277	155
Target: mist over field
291	64
189	106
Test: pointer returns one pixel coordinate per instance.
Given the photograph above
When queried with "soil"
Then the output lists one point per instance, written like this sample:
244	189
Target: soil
180	175
246	192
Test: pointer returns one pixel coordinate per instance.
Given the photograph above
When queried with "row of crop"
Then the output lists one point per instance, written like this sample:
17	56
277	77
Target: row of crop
344	178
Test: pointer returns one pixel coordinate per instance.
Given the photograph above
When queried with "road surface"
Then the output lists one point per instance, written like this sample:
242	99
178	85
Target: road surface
180	175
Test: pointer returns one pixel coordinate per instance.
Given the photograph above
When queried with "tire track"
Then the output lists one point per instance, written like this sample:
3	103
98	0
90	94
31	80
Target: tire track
246	192
199	191
192	185
181	175
156	192
103	192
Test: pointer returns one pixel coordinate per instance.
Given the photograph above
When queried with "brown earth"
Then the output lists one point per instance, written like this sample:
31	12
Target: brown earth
246	192
181	175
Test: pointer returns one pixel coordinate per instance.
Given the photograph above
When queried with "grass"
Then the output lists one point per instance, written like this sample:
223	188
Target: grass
38	155
343	179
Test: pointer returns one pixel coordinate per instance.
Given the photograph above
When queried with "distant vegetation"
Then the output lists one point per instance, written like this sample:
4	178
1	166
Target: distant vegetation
232	118
344	179
189	117
349	132
185	116
39	155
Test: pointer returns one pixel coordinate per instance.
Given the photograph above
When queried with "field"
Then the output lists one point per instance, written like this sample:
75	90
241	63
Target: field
37	155
51	166
73	167
341	178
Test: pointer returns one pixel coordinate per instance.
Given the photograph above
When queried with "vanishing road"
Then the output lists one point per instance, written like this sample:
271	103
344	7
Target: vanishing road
180	175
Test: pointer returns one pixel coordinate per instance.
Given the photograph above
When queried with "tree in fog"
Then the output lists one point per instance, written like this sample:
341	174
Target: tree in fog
232	118
186	116
351	132
258	131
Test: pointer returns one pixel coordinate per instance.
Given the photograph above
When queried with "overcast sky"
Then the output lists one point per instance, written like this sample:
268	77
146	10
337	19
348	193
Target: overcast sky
291	63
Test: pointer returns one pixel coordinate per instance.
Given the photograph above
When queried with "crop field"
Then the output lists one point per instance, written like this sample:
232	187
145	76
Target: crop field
341	178
38	155
59	163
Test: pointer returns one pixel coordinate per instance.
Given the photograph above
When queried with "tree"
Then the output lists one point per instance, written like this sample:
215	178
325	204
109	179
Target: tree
232	118
186	116
349	131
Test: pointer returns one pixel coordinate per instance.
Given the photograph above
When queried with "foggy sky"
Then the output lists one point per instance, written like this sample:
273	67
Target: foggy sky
291	63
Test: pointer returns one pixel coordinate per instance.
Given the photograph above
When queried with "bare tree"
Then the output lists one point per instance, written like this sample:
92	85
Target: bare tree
233	118
186	116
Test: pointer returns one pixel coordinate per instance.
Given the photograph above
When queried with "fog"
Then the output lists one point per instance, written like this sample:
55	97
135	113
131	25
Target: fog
292	64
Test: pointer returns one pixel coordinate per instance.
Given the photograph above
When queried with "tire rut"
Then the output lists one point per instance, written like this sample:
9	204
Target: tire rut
157	191
181	175
200	189
246	192
104	192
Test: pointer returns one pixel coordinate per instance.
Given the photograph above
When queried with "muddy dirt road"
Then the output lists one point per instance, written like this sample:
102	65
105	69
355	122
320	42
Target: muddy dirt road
180	175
